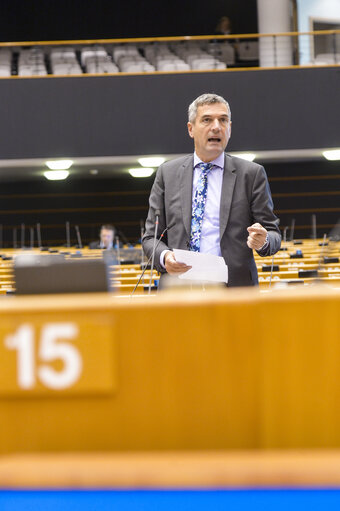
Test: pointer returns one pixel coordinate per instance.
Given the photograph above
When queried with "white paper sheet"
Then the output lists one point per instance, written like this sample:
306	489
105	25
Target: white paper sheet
205	267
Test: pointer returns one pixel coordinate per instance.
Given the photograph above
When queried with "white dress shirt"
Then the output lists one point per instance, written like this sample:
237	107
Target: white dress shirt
210	231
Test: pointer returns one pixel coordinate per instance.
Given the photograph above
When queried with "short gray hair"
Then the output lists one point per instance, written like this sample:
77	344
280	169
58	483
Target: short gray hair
205	99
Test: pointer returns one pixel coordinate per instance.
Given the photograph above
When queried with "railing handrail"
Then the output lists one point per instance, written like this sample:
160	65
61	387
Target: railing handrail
163	39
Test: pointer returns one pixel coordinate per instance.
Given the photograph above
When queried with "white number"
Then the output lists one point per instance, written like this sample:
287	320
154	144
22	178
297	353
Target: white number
23	341
49	351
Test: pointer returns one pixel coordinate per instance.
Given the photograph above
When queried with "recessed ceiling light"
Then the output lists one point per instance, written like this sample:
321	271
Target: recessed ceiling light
141	172
155	161
59	164
94	172
245	156
332	155
56	175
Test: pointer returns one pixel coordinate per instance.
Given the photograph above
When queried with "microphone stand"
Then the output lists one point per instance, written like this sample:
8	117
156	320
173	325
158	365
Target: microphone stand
157	213
148	261
39	235
80	245
68	238
141	237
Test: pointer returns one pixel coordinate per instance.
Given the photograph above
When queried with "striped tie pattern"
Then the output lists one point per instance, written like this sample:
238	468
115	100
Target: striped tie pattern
198	206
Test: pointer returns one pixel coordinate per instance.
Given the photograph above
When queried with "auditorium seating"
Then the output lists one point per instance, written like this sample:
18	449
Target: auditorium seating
129	60
224	51
64	61
248	50
97	60
197	57
318	263
31	62
197	53
5	62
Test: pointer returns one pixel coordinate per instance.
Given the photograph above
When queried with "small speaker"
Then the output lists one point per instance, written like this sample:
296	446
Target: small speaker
268	267
308	274
153	288
328	260
297	242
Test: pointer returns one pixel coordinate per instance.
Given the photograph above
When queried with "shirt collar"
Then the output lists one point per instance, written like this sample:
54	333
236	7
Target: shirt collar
218	162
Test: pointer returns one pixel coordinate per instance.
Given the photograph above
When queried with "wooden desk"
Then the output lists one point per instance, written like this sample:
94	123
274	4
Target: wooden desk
220	370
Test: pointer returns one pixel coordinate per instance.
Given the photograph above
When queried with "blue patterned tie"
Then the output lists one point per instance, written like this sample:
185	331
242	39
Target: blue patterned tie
198	206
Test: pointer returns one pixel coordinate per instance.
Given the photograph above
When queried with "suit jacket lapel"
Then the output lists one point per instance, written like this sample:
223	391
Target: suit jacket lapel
228	184
185	183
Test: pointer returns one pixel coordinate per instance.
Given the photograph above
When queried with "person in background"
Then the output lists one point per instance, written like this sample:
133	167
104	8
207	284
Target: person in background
107	238
223	26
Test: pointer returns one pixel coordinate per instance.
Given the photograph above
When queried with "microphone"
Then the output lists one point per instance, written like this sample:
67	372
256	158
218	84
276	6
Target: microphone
68	238
39	235
123	237
292	227
80	245
22	235
157	215
15	238
31	237
141	237
152	255
271	271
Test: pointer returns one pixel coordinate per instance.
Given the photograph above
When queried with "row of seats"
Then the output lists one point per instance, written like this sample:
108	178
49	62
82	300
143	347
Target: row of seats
144	57
298	262
134	58
301	262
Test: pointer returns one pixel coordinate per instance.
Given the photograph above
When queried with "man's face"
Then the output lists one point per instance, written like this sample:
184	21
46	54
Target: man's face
106	237
211	130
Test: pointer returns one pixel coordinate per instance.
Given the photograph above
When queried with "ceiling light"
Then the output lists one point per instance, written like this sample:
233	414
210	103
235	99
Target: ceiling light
332	155
155	161
56	175
141	172
245	156
59	164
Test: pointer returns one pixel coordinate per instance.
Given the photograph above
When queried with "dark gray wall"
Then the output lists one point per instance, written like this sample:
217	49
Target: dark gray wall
46	20
127	115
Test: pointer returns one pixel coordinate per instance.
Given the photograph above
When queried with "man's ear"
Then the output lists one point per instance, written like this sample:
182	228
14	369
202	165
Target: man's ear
190	130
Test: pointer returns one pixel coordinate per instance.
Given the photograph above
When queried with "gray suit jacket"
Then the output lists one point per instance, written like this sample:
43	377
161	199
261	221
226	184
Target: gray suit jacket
245	199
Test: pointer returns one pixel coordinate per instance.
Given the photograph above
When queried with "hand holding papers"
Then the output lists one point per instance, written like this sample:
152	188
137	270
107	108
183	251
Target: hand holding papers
205	267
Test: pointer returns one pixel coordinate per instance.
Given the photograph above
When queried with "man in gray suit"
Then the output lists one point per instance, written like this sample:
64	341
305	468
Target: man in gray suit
218	204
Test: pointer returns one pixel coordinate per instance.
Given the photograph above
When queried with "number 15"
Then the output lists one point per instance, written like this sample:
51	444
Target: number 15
49	350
